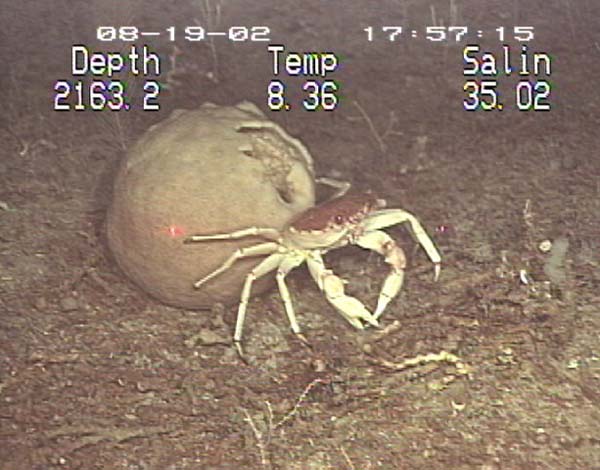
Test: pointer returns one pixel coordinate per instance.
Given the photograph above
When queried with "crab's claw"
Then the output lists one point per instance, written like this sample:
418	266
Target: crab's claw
352	309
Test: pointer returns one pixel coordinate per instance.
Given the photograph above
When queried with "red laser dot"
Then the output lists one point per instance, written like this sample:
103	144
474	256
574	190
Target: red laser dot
175	231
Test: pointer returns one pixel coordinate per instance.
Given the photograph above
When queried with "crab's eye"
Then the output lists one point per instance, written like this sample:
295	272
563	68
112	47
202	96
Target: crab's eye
338	219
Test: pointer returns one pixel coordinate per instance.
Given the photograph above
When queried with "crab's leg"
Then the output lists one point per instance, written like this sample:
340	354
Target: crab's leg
255	250
264	267
383	244
388	217
269	233
349	307
286	265
341	187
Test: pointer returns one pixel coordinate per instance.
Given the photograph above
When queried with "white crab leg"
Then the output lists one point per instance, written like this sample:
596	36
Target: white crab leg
287	264
388	217
382	243
341	187
267	248
349	307
269	233
264	267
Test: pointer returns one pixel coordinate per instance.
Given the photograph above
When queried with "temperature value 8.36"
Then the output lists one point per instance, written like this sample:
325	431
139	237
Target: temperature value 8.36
319	95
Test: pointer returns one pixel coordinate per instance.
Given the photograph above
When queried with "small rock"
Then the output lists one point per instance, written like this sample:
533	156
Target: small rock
40	304
209	385
68	304
206	337
319	365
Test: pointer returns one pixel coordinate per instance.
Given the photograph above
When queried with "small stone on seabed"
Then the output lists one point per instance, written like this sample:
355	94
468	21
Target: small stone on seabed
206	337
319	365
68	304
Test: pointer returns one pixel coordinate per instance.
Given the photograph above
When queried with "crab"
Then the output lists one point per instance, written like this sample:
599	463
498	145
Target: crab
350	218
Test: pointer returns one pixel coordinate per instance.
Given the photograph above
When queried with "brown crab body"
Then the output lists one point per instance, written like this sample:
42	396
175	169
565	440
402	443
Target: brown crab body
331	224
